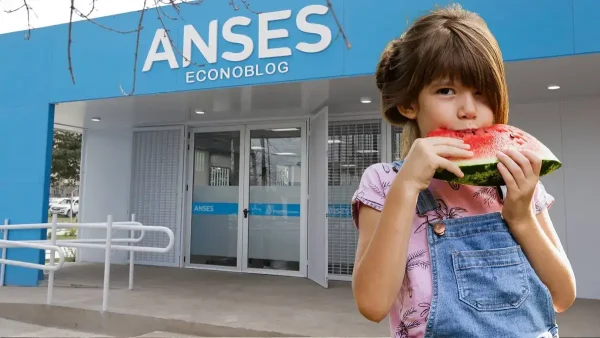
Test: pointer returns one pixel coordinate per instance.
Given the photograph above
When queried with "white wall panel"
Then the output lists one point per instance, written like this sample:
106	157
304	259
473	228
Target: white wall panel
581	147
568	129
106	176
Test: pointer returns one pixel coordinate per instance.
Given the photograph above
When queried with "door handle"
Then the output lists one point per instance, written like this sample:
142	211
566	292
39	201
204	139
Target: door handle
246	211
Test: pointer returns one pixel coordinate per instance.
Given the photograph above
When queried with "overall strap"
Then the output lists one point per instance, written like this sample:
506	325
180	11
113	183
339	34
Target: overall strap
426	201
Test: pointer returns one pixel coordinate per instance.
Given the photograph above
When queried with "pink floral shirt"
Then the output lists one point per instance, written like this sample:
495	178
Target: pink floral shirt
409	313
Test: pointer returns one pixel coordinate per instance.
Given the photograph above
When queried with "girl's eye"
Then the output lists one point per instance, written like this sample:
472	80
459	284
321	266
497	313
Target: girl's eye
446	91
477	92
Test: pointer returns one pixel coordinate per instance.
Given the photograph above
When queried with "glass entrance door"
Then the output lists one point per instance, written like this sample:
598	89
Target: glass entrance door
274	222
214	233
247	191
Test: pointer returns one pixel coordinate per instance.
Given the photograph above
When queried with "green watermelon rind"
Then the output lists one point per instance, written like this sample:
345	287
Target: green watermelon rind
485	172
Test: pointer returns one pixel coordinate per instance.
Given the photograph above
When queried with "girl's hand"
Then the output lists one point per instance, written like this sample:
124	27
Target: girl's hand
427	155
521	172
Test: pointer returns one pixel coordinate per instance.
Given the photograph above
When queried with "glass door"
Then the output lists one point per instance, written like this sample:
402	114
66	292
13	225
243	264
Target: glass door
214	234
274	218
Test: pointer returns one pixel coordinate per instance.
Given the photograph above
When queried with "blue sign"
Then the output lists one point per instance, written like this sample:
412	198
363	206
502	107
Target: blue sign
213	208
256	209
266	209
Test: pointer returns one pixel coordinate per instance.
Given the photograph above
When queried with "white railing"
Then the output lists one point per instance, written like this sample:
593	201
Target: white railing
106	244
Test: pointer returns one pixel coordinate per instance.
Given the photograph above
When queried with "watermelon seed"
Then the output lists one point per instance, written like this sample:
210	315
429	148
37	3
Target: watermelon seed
512	136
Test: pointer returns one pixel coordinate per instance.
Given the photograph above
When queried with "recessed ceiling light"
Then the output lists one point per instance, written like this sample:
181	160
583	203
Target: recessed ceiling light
256	148
284	129
553	87
199	112
285	154
96	119
334	141
365	99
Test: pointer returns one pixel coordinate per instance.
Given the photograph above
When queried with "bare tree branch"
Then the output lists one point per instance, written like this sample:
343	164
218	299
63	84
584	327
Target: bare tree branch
245	2
28	9
165	14
137	48
93	8
87	17
178	11
162	22
232	4
337	22
174	4
177	7
70	41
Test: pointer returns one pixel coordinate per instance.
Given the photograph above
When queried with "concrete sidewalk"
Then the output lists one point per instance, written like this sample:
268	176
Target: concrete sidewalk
224	304
11	328
282	305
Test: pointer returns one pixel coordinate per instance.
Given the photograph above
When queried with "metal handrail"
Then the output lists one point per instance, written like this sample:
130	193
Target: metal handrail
116	226
19	244
89	243
105	244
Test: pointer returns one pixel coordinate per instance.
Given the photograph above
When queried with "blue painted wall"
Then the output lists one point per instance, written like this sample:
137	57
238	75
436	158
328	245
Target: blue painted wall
34	73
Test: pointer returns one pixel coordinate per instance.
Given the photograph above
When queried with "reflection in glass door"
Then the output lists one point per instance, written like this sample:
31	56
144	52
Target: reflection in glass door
215	199
273	200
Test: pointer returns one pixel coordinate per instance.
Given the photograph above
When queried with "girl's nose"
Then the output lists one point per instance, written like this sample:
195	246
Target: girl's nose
468	108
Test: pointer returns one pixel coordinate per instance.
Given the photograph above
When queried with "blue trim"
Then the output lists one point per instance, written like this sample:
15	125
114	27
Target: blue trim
266	209
208	208
256	209
275	210
26	139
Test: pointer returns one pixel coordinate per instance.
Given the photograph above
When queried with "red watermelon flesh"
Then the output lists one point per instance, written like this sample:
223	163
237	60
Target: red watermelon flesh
481	169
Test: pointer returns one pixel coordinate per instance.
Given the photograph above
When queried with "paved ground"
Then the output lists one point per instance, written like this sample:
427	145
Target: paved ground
11	328
286	305
283	305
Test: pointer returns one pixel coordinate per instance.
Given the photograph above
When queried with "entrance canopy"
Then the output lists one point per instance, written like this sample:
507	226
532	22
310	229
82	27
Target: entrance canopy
528	82
252	103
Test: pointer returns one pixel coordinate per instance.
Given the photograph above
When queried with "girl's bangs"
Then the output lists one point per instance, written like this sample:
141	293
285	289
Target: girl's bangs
455	58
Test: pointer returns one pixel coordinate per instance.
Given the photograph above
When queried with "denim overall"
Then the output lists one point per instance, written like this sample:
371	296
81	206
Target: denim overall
483	285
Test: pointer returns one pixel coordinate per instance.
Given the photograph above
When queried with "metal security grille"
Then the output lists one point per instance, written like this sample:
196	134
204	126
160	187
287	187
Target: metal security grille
353	146
395	139
156	190
219	176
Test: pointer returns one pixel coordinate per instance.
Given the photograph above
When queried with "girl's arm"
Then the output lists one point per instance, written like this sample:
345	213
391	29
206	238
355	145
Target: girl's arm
535	233
383	237
381	252
541	245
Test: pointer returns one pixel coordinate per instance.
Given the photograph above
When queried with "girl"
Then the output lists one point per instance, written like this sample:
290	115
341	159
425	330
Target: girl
444	259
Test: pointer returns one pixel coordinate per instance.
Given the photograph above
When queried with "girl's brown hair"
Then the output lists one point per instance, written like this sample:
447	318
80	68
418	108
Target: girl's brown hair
448	42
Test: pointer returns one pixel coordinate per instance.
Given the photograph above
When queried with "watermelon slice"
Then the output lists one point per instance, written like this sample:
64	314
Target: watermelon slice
481	169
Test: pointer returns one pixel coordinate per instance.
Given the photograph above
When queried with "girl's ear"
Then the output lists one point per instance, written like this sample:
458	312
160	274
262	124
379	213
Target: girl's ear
408	112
